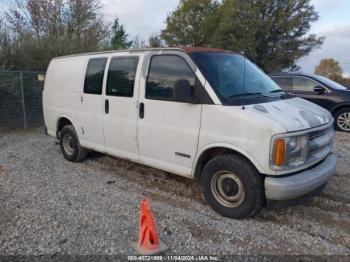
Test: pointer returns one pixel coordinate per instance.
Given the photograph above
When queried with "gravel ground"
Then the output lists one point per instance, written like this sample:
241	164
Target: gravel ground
51	206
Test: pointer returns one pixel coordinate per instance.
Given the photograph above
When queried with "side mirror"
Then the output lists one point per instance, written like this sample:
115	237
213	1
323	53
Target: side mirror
319	90
183	92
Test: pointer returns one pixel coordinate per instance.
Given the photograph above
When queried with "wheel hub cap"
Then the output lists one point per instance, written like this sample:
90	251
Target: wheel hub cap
230	187
343	121
227	189
68	144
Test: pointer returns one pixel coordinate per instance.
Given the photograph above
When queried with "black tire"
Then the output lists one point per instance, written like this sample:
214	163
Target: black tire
75	152
338	114
250	180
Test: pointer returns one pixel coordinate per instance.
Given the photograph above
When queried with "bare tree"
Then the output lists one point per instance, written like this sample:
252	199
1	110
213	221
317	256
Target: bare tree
47	28
6	44
155	40
138	42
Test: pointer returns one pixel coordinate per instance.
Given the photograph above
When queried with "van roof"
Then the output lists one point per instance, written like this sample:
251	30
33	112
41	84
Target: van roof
188	50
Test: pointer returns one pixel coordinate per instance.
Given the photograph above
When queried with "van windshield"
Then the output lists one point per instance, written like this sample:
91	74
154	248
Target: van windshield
235	77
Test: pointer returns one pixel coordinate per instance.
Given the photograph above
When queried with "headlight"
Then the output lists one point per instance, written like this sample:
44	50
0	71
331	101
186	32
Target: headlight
288	152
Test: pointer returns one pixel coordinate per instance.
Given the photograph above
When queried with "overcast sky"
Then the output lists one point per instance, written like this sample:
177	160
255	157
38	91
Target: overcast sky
142	18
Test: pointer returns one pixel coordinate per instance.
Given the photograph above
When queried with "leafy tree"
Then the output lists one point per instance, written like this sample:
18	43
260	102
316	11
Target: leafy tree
119	38
155	41
190	24
330	68
273	33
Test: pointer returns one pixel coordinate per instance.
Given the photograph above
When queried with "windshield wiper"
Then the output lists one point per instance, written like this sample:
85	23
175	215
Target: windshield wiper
246	94
249	94
277	91
283	93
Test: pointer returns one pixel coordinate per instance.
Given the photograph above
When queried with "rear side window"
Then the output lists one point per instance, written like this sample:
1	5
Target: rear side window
94	76
166	72
284	82
121	76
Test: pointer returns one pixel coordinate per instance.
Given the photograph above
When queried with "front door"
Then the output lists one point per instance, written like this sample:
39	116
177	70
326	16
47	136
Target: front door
168	129
304	88
120	121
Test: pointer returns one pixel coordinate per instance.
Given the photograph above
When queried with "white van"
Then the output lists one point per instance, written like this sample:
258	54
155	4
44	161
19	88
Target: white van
201	113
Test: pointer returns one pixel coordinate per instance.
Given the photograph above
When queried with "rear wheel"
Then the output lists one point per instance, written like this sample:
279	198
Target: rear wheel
232	186
342	119
70	146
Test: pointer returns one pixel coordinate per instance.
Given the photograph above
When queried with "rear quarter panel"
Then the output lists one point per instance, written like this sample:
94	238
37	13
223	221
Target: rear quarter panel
62	93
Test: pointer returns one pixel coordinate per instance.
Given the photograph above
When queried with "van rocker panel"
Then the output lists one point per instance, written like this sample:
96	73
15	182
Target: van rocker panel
294	186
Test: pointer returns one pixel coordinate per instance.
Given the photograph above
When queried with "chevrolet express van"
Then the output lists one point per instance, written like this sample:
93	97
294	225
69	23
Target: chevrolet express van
206	114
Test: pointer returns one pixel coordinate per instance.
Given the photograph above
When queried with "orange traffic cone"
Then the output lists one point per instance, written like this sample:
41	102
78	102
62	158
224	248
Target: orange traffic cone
149	243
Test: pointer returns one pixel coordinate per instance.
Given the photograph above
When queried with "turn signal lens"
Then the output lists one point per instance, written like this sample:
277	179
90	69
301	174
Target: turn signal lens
280	152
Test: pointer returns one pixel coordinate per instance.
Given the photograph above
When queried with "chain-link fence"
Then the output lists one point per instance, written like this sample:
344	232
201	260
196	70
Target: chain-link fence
21	99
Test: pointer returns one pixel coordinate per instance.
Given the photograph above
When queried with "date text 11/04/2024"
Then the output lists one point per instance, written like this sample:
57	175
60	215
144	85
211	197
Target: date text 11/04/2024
173	258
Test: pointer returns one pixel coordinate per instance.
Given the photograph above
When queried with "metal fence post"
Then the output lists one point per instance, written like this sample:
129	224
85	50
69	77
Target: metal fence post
23	102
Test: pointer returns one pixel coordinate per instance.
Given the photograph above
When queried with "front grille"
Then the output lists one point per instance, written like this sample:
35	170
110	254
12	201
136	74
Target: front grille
317	133
320	143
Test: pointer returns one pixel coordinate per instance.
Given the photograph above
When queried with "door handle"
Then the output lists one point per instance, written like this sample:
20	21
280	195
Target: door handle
142	110
106	106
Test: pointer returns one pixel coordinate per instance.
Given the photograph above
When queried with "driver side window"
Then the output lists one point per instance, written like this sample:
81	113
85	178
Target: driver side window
170	78
303	84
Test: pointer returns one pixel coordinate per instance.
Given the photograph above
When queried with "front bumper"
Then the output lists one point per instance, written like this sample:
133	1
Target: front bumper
300	184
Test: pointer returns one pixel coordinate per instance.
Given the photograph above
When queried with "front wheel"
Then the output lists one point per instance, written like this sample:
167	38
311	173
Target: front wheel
342	119
232	186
